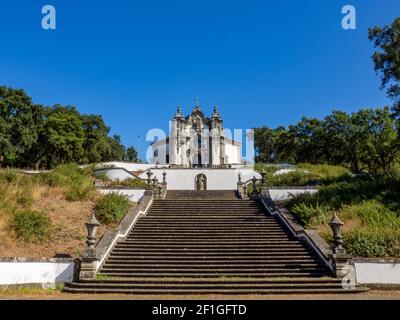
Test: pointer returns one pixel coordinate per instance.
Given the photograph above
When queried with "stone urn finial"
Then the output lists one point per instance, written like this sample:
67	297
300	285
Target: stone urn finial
155	181
263	174
149	174
164	174
91	227
336	225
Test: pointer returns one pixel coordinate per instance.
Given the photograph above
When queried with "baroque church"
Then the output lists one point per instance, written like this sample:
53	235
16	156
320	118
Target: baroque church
197	141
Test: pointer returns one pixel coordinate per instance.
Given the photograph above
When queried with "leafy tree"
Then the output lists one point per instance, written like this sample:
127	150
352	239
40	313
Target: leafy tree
365	139
131	154
95	143
345	135
35	136
117	150
382	145
62	136
18	125
387	59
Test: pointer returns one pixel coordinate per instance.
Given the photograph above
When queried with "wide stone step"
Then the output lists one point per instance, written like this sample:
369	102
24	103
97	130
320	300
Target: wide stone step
196	233
220	266
231	246
213	280
139	250
216	209
216	237
115	260
201	217
215	258
204	216
209	213
207	221
221	227
166	291
141	240
208	270
207	201
160	244
213	286
269	275
211	208
197	257
205	204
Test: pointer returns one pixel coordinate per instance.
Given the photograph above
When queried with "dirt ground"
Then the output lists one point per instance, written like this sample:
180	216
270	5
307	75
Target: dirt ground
43	294
68	228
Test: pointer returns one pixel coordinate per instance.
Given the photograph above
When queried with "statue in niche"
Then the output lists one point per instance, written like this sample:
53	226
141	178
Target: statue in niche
197	124
201	182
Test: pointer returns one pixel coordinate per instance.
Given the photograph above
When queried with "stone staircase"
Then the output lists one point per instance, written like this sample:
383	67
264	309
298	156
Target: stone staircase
210	242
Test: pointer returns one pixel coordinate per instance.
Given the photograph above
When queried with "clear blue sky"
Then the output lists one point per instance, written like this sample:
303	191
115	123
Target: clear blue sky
262	62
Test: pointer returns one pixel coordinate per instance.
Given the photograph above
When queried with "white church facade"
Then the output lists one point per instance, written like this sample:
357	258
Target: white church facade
197	141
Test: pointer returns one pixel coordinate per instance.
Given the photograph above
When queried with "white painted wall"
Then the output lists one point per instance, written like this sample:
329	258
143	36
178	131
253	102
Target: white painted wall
130	166
114	174
285	194
232	153
36	272
134	195
377	273
217	179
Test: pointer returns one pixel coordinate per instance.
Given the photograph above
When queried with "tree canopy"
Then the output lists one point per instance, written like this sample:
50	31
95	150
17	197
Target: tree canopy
387	59
363	141
37	136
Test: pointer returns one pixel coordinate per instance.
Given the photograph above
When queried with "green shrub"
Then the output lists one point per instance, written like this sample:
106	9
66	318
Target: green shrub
31	226
76	181
131	182
325	173
24	199
372	215
364	243
111	207
10	175
304	174
309	214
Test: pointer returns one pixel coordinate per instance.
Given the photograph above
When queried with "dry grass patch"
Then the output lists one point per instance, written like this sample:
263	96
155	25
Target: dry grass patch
49	194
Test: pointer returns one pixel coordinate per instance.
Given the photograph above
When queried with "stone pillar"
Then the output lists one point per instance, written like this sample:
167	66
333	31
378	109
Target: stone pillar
173	144
222	150
88	266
